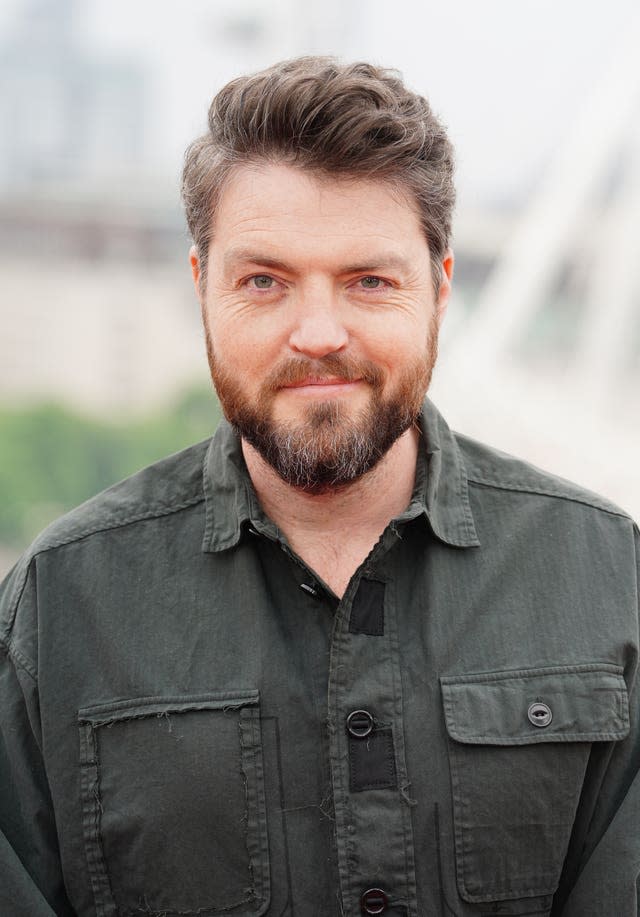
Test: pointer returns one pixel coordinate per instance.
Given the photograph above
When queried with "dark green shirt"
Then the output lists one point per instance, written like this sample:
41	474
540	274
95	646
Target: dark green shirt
191	723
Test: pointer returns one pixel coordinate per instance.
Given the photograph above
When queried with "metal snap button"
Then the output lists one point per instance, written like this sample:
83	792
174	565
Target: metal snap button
539	714
374	901
360	725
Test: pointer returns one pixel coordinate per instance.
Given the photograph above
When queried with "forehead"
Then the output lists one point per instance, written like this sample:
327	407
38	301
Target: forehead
284	206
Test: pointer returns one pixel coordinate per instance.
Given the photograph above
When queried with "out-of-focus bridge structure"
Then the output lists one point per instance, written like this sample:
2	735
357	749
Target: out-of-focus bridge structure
546	361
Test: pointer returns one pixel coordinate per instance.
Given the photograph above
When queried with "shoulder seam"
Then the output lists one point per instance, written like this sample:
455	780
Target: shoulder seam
547	492
5	637
119	523
19	660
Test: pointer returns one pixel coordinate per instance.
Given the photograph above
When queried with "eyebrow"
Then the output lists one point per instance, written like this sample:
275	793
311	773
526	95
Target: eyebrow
388	263
246	255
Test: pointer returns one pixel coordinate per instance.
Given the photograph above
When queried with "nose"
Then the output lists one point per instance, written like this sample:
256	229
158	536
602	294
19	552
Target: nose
319	329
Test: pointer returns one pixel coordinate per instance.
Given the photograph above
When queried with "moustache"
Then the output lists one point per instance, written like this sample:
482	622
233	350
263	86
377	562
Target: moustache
296	370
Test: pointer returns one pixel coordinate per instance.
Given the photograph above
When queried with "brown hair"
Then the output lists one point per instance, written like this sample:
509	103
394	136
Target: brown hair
341	120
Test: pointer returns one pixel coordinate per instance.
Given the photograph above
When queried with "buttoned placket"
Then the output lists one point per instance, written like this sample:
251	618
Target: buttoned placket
366	734
374	835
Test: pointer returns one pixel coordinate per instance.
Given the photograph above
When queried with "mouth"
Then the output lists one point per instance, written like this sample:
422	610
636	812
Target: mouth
322	386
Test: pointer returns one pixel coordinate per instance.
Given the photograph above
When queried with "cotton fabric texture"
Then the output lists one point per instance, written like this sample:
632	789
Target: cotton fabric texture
191	723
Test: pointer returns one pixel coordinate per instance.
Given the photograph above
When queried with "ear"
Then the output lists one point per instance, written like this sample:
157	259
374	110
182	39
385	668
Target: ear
444	292
196	271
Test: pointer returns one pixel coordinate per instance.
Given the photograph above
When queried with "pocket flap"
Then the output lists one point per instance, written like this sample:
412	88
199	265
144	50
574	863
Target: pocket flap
579	703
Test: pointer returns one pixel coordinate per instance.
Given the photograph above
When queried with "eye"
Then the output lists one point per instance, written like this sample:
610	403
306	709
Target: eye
372	283
261	282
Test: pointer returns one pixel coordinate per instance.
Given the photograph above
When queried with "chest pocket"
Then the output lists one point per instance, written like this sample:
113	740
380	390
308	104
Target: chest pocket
173	806
519	746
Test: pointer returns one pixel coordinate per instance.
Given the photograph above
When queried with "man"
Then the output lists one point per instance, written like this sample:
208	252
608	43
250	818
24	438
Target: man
337	660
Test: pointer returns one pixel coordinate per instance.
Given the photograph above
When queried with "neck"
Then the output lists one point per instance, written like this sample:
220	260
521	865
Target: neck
345	522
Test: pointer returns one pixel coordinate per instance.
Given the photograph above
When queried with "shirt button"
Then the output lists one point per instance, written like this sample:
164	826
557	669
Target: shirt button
360	725
374	901
539	714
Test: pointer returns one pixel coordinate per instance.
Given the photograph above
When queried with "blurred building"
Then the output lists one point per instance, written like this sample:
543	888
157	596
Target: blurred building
68	115
95	310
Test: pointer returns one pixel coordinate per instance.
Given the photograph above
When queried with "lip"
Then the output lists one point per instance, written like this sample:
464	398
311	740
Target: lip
320	386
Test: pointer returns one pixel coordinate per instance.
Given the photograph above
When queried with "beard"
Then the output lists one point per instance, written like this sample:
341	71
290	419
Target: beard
331	446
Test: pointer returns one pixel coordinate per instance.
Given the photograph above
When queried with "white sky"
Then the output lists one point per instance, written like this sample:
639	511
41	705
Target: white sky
506	75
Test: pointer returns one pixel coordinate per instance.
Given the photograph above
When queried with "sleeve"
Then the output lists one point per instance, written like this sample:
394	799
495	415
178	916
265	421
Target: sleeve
606	876
31	882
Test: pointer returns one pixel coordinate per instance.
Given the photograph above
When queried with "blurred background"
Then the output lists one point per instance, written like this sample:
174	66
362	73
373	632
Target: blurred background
102	365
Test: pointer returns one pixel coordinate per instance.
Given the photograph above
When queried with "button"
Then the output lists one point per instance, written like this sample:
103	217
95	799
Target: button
374	901
539	714
360	725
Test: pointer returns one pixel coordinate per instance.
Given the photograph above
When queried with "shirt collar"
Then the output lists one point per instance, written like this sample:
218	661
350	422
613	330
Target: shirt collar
444	492
440	493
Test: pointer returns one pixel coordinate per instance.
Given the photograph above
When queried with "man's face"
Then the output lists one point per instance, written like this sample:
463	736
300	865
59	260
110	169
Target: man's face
321	319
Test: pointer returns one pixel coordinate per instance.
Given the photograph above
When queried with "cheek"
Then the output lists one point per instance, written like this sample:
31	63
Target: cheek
404	329
396	348
241	344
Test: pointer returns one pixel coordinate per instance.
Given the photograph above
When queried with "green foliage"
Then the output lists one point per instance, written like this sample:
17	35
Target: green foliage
52	458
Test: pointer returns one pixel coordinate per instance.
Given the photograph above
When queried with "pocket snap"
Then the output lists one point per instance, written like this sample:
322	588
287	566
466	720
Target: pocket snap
519	746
